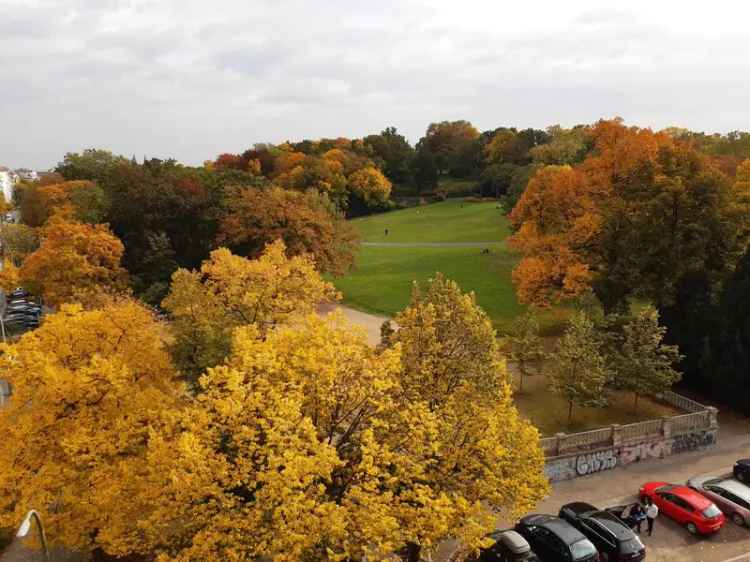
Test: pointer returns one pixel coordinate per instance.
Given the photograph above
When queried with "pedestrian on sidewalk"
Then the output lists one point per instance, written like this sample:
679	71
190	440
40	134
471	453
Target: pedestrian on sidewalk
651	513
638	516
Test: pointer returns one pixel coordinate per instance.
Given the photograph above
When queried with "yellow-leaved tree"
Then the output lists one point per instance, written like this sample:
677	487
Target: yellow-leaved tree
487	458
294	449
88	388
231	291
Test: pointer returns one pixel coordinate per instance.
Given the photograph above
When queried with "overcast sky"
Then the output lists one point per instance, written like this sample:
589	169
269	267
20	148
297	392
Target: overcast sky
190	79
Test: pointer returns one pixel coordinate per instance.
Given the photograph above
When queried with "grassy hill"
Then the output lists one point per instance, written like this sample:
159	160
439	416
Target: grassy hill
448	221
384	275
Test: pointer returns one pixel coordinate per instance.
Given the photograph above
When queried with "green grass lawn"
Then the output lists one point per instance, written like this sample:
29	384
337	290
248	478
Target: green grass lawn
383	278
448	221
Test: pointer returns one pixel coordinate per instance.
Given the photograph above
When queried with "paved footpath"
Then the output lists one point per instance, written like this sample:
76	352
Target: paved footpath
433	244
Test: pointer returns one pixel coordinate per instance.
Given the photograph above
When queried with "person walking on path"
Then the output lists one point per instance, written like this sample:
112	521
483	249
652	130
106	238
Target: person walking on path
651	513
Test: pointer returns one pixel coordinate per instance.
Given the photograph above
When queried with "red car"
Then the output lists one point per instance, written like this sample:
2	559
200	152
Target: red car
686	506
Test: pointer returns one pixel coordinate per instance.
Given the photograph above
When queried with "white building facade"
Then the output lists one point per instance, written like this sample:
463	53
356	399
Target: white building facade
7	181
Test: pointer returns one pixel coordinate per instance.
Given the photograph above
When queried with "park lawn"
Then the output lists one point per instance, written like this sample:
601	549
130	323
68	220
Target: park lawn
383	279
447	221
549	412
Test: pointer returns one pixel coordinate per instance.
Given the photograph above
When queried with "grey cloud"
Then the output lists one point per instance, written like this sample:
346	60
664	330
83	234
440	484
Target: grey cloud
190	79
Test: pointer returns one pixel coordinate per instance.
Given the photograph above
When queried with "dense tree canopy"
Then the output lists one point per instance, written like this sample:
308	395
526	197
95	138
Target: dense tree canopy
307	222
637	215
74	258
88	388
453	144
395	153
451	363
81	200
230	291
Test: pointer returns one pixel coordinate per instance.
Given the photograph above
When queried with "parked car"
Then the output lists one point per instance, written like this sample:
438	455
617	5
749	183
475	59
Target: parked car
23	306
555	540
686	506
18	293
730	496
509	547
626	514
742	470
614	540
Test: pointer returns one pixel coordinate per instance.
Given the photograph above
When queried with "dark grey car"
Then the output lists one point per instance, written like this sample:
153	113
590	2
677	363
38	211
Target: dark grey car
730	496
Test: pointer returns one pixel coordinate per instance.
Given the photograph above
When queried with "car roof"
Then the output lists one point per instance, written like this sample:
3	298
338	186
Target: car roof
737	488
613	524
515	542
743	461
560	527
579	507
691	496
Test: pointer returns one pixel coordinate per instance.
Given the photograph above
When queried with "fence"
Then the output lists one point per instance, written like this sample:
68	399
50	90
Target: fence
699	417
681	402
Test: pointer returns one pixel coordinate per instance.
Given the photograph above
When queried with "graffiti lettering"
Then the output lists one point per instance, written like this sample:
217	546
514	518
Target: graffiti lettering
692	441
643	451
596	462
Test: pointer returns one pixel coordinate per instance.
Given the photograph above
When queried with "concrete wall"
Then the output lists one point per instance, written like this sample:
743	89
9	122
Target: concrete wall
575	465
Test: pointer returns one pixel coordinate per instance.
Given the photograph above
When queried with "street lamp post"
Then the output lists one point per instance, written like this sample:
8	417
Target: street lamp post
25	527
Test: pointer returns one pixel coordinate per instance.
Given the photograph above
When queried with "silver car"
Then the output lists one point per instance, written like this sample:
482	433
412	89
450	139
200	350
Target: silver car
729	495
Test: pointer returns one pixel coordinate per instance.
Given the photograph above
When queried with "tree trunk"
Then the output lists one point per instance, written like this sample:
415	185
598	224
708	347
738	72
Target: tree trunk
413	550
520	381
635	402
570	412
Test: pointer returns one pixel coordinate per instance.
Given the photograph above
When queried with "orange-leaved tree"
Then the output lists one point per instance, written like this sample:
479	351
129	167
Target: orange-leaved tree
370	184
556	220
640	212
74	258
307	222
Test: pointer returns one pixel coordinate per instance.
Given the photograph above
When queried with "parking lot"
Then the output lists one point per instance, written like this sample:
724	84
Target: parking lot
670	542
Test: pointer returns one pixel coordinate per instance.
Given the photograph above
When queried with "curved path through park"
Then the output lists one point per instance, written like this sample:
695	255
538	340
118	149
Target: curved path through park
370	322
431	244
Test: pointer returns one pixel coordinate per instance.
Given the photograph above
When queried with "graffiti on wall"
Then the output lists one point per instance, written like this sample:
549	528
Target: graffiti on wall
692	441
596	462
563	469
582	464
643	451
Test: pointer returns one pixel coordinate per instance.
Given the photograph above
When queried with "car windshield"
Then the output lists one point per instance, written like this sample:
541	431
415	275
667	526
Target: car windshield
711	511
582	549
631	545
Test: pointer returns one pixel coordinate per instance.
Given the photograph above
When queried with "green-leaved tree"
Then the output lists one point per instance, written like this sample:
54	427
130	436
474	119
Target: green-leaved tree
524	347
579	371
643	364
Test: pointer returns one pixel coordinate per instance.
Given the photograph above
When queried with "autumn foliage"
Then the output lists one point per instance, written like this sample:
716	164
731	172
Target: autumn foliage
295	439
74	257
88	389
307	222
640	212
231	291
